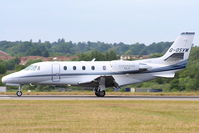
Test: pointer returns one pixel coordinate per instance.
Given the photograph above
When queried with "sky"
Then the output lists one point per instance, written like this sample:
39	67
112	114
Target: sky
111	21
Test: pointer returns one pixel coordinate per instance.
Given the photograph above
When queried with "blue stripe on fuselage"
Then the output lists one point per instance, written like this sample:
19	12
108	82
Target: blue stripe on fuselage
177	66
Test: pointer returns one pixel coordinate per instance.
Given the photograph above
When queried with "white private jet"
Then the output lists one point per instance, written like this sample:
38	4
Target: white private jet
102	74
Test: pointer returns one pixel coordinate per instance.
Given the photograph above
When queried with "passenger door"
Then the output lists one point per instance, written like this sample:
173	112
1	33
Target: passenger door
55	72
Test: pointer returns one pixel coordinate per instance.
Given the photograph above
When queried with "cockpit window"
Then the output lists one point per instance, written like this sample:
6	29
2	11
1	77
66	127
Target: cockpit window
32	68
38	68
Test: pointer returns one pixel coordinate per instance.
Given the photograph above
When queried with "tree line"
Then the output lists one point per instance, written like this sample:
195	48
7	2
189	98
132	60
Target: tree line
63	48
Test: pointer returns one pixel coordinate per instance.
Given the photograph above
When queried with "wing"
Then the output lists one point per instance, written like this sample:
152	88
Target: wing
93	81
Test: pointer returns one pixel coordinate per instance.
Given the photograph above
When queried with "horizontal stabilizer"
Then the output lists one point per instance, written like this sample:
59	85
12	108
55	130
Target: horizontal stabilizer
165	75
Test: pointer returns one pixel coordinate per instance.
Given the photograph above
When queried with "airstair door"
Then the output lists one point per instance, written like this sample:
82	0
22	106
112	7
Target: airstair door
55	72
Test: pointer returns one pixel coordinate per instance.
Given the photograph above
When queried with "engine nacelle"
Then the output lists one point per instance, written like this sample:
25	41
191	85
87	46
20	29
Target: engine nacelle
144	67
129	66
124	66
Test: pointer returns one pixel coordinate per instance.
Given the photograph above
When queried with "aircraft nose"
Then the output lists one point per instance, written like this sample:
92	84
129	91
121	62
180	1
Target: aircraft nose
4	79
10	79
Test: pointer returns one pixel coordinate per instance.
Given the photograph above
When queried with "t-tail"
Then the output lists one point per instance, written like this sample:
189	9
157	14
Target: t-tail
176	58
180	49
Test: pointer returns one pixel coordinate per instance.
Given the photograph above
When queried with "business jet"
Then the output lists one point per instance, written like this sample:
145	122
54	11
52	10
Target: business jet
103	74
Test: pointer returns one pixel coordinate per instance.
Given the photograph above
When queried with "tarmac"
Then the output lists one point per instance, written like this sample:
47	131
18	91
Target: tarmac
89	97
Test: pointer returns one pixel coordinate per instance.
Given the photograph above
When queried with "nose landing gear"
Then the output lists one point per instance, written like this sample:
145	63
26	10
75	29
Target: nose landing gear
19	92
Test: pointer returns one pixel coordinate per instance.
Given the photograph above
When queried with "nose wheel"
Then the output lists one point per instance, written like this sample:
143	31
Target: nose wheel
19	92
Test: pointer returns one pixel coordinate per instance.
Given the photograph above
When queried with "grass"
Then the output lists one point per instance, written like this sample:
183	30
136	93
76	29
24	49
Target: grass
108	93
75	116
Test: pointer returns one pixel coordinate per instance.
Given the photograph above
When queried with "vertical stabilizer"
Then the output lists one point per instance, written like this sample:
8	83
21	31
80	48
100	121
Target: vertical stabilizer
180	49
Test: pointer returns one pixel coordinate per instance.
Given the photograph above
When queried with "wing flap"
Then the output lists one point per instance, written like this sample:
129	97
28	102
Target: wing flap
165	75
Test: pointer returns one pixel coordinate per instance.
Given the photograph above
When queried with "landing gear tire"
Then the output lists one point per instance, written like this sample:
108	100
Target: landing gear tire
100	93
19	93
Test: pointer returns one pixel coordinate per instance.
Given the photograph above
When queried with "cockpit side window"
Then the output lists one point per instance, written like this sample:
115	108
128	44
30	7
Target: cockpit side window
28	68
38	68
32	68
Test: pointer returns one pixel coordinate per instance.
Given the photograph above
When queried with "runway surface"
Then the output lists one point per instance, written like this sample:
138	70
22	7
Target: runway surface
84	97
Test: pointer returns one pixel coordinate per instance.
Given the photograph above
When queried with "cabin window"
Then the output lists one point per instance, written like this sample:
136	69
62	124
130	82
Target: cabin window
74	67
65	67
93	67
104	67
83	68
38	68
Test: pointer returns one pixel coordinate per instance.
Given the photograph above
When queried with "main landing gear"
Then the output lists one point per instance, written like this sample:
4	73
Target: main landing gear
100	90
19	92
99	93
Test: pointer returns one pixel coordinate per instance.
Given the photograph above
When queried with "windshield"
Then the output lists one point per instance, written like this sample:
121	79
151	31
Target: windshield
32	68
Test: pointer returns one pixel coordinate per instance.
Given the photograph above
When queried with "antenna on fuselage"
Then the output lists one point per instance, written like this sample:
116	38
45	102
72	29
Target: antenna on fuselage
93	59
